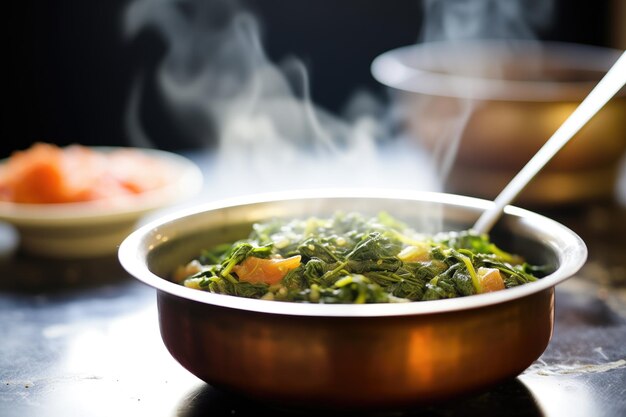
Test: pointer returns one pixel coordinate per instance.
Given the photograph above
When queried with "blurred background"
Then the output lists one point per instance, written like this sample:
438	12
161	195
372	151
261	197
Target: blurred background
144	72
71	66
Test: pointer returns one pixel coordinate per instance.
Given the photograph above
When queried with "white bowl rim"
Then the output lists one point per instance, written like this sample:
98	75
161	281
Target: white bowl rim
573	256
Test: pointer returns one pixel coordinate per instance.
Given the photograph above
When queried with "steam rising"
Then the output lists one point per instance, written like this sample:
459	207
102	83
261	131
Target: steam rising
458	21
217	80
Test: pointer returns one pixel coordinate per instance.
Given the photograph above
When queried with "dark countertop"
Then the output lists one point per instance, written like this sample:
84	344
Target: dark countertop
81	338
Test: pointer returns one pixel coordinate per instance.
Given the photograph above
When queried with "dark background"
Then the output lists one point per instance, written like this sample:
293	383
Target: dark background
70	68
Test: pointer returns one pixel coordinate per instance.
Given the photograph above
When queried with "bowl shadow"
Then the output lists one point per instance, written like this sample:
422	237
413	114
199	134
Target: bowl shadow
511	398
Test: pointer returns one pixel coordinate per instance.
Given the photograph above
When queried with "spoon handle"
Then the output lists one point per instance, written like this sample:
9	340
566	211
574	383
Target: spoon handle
608	86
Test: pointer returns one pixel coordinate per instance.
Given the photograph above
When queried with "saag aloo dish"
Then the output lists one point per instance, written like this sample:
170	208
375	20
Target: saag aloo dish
351	258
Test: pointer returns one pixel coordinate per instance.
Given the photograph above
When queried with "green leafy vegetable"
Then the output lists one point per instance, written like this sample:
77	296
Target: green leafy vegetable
350	258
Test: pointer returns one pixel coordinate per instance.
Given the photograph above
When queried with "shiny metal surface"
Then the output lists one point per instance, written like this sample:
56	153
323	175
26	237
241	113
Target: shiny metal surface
606	88
386	356
387	362
507	99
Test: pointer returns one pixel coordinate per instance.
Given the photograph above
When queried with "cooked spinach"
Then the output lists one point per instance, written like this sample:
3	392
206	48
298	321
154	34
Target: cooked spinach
350	258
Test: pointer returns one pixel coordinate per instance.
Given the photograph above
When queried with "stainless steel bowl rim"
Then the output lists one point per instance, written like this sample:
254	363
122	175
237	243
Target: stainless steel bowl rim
392	69
572	257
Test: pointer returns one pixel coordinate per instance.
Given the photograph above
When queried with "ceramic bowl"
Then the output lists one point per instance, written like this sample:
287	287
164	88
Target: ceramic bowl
96	228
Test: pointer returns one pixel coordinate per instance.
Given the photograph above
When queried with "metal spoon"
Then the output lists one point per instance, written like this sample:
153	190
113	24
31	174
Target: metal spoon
608	86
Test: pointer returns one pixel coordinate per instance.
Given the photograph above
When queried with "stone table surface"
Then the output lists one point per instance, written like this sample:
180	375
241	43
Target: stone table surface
80	337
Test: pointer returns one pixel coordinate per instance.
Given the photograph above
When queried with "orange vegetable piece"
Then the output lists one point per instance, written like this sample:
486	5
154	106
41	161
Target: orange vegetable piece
269	271
46	173
41	180
490	279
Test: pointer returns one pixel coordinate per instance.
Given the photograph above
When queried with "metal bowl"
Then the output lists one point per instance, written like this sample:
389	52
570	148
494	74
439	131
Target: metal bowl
384	356
502	100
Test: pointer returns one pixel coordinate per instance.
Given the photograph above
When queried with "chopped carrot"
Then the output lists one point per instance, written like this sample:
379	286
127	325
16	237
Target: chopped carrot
490	279
268	271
